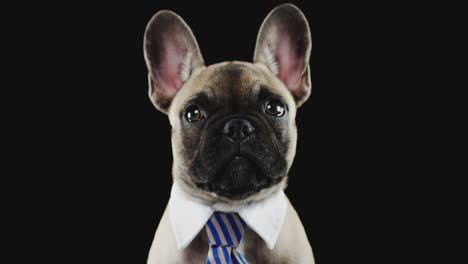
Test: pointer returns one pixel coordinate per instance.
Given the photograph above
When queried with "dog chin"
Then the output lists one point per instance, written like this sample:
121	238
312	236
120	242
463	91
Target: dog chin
224	203
238	179
227	205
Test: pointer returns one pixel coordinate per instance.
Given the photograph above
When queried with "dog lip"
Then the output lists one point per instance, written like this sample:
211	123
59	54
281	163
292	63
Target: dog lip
228	160
234	158
240	157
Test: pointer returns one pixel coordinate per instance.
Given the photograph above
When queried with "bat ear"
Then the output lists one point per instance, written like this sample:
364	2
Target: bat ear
171	53
283	44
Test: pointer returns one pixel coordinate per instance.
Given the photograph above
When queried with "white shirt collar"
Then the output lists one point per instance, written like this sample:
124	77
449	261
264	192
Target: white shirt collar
189	215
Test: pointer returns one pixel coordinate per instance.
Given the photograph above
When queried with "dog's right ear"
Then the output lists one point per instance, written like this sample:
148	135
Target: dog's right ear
171	54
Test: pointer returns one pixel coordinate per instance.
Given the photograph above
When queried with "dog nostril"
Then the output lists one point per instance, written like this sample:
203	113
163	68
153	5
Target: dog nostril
247	130
230	131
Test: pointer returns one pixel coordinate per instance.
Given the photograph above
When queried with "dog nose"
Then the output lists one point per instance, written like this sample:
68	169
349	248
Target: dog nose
238	129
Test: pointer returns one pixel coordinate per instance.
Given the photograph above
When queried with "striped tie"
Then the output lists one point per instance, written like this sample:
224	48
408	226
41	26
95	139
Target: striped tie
224	234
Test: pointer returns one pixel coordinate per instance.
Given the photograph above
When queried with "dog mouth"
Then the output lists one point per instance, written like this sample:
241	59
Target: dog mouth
239	178
237	170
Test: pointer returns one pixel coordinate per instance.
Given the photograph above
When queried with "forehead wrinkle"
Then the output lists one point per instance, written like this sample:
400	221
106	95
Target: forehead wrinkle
213	91
255	89
253	92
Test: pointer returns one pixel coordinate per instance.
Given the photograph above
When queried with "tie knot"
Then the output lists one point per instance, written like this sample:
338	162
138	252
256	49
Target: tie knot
225	229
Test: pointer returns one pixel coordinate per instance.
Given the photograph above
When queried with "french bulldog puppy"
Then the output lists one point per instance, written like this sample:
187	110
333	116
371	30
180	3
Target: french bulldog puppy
233	127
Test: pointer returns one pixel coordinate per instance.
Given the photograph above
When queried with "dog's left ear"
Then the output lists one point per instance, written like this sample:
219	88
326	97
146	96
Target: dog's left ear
283	44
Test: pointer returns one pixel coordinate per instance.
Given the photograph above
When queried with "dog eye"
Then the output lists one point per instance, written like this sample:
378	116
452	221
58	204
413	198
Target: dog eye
193	113
275	108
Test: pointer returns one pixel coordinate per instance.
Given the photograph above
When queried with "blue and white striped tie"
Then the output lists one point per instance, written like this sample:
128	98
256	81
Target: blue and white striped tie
224	234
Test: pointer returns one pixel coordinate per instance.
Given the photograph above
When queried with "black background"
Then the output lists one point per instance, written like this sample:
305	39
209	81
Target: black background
105	150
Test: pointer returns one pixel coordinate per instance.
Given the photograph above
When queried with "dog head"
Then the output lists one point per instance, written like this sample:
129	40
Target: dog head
233	123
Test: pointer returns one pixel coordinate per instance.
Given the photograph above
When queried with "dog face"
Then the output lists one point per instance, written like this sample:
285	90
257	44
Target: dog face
234	131
233	123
